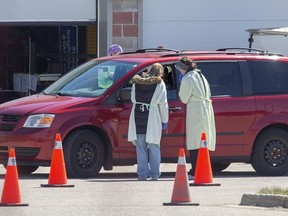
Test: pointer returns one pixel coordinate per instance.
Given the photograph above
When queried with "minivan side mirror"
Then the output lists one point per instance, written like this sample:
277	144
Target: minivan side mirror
125	94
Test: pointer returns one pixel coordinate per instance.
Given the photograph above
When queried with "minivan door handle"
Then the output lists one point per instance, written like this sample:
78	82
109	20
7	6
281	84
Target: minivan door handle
175	109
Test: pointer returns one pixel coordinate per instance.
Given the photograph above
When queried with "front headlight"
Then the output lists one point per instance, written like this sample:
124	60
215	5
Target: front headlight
39	121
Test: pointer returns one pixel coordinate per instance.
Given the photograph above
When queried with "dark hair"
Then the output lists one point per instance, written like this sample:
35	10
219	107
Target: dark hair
190	63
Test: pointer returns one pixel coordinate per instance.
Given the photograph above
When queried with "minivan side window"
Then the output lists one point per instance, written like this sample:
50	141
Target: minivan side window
224	77
269	77
169	80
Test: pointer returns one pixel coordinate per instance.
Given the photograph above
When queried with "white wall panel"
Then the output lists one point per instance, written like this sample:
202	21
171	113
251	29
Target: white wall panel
208	24
47	10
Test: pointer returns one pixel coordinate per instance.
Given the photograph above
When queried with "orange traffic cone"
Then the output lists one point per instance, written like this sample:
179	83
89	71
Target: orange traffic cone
181	195
203	173
57	176
11	190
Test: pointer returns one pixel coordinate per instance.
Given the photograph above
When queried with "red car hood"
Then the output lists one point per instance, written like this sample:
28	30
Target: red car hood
44	104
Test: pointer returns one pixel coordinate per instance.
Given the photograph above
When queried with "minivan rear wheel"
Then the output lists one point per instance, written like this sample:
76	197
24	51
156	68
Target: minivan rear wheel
270	152
84	154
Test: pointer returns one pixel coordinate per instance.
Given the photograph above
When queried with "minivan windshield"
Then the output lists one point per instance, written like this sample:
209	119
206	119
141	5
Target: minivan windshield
91	79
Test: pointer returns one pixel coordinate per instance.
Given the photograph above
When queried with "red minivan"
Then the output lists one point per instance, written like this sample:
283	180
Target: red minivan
90	107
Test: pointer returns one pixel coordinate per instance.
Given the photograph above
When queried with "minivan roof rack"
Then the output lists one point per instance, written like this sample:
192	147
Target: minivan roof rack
145	50
186	52
263	52
156	50
243	48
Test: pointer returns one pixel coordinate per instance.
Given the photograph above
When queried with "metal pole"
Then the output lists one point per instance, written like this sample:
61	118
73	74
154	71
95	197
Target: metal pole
97	28
250	40
29	64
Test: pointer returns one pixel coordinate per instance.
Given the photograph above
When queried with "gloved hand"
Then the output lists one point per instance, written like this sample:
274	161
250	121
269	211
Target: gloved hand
164	126
180	77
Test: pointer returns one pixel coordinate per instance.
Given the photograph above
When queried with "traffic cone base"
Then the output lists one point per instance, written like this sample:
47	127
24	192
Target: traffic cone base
57	176
181	195
181	204
204	184
13	204
56	185
11	190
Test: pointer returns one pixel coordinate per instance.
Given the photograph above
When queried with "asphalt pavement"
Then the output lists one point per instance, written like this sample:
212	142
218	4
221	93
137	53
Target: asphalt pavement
119	193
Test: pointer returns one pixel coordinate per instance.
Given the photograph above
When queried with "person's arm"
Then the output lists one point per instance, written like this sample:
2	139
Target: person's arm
185	91
163	106
133	94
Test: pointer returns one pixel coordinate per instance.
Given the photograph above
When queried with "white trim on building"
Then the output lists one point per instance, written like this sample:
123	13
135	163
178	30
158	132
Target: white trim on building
46	11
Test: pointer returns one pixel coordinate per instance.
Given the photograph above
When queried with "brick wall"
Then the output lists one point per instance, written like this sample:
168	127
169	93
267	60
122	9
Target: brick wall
125	24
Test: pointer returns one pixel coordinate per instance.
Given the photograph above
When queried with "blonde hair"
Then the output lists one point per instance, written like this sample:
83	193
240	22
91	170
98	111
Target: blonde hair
152	76
156	70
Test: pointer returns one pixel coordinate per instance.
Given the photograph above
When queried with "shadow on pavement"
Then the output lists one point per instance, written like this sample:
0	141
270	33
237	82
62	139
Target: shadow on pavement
161	179
132	176
32	176
233	174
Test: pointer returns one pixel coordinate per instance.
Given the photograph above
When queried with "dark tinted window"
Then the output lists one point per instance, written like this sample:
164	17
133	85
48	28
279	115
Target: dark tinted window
269	77
169	80
224	77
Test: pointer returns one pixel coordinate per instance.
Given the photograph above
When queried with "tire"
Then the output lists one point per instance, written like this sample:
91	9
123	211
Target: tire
269	156
24	170
218	167
84	154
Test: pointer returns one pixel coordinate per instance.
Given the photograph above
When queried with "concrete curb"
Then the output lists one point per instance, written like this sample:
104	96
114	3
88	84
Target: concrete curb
264	200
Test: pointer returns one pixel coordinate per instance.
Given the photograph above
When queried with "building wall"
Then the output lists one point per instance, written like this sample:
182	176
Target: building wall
125	24
208	24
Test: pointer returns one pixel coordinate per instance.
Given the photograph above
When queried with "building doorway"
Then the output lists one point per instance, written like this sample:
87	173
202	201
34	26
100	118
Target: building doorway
45	52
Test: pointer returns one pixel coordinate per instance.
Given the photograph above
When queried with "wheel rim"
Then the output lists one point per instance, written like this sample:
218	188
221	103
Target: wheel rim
86	156
275	153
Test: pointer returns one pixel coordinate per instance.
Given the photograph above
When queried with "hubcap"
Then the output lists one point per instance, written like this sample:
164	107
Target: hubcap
86	155
275	153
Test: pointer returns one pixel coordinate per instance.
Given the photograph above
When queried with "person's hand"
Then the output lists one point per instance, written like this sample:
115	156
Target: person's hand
180	77
164	126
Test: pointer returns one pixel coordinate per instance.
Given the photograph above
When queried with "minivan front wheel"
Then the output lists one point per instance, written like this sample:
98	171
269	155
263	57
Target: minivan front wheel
270	153
84	154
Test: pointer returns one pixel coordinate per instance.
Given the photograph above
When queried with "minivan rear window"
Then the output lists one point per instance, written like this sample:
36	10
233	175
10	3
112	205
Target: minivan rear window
224	77
269	77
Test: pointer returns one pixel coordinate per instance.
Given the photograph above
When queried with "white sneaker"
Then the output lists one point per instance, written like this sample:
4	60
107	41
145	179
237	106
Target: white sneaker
190	177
